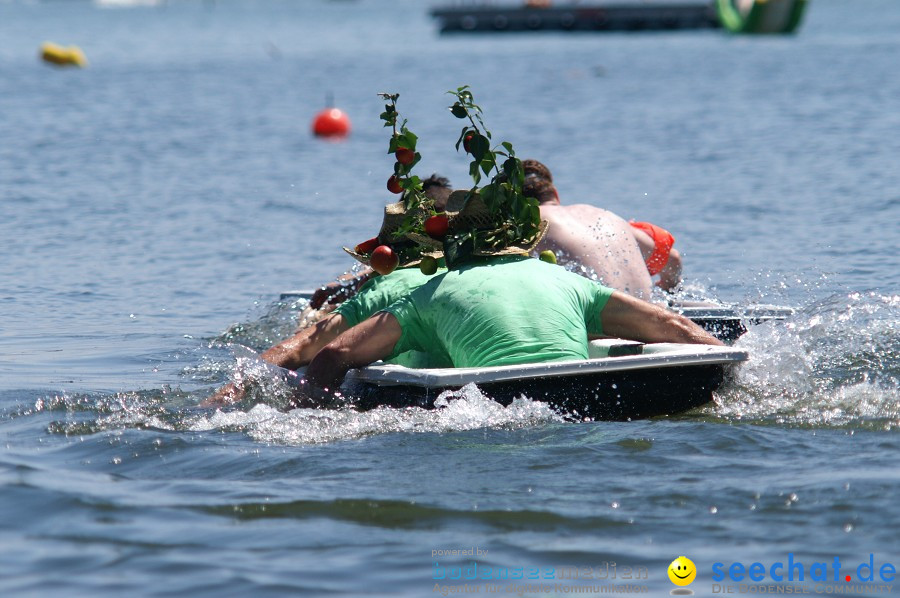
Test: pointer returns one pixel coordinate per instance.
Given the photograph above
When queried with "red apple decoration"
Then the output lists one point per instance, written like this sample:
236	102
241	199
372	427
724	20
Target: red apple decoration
393	185
405	156
466	140
436	226
384	260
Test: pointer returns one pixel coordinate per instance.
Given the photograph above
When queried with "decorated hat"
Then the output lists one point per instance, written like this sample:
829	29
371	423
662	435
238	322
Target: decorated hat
467	211
391	233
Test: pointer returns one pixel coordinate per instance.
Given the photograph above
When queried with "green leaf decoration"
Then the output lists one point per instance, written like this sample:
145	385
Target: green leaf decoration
459	249
513	218
474	172
407	139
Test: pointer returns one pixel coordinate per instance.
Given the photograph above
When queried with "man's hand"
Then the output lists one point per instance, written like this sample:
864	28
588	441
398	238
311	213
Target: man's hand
230	393
330	293
291	354
344	288
308	396
670	276
369	341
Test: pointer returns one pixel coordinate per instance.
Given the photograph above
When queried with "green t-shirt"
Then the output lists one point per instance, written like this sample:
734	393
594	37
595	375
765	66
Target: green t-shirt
378	293
501	312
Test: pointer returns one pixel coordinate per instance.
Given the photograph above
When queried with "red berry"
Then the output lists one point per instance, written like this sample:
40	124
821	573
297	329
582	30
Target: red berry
466	141
436	226
367	246
393	185
405	156
384	260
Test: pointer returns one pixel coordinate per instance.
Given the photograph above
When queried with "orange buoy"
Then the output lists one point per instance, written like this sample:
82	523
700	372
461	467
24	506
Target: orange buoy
331	122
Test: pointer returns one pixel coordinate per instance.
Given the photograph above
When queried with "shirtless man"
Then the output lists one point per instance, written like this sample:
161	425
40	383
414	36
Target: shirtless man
597	239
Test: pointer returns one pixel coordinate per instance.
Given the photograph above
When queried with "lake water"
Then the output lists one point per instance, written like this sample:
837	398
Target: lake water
154	205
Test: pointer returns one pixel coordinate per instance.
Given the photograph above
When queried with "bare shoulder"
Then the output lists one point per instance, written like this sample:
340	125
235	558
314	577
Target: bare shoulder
587	212
573	211
582	207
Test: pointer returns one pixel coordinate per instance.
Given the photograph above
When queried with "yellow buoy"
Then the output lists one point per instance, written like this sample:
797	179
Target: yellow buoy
63	56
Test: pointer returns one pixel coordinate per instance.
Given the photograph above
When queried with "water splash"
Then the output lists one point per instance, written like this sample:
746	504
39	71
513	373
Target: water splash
465	409
280	321
836	363
86	414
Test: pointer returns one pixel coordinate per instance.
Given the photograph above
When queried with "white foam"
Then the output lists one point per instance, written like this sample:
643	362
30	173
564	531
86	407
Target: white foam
465	409
835	363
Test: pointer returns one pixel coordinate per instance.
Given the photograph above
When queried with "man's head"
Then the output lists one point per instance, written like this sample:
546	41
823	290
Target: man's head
539	182
437	188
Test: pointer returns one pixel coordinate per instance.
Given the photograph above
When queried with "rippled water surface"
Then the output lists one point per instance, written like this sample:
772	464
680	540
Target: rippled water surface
154	205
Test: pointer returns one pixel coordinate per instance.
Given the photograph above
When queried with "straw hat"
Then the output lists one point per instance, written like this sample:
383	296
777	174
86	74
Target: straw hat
467	211
395	216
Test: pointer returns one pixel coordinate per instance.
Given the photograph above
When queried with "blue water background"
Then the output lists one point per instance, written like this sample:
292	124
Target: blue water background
154	205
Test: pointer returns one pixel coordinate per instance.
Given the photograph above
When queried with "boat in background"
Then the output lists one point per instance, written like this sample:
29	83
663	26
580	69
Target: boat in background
736	16
487	18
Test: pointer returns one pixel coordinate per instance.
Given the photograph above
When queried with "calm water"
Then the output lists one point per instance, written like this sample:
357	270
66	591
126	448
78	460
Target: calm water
153	206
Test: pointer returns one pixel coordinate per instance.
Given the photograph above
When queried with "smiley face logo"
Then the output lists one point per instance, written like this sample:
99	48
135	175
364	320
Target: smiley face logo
682	571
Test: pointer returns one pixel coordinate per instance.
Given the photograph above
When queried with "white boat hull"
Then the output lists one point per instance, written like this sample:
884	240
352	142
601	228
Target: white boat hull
638	381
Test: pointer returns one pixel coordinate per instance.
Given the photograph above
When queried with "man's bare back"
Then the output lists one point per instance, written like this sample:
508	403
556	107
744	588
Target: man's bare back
598	240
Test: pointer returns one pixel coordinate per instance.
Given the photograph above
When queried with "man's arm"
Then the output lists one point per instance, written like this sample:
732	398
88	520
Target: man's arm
366	342
299	350
627	317
670	275
292	353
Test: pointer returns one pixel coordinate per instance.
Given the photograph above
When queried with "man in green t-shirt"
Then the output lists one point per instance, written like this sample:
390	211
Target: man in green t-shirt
497	309
502	311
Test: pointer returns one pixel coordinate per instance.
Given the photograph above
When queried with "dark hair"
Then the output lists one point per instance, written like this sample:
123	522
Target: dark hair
437	188
538	181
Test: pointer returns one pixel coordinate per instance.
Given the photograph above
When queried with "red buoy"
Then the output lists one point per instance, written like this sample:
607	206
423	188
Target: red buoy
331	122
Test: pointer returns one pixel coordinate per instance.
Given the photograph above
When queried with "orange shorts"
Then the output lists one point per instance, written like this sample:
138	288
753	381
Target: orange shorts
663	241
